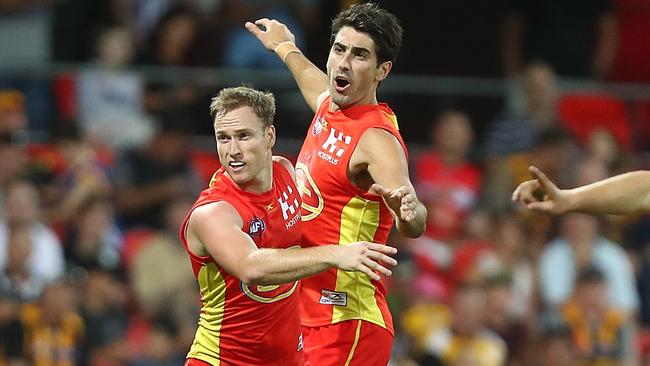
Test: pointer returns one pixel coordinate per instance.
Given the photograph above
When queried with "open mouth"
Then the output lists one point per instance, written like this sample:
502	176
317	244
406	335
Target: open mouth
341	83
236	165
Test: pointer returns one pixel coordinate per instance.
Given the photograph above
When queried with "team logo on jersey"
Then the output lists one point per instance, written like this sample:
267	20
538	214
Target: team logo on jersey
328	297
256	227
312	200
269	294
290	207
319	126
334	146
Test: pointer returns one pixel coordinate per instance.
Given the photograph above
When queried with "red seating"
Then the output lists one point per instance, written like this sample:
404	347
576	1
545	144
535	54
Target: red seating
205	163
582	113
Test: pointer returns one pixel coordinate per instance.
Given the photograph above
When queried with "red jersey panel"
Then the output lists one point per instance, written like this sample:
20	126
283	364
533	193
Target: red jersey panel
239	324
336	211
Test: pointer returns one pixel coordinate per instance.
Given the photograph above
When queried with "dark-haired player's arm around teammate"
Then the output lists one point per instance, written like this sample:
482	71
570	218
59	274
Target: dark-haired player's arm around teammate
235	251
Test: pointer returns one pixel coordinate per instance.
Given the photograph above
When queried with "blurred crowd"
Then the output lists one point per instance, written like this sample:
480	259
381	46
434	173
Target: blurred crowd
98	169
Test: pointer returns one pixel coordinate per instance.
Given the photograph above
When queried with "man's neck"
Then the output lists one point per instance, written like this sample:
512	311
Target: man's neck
369	100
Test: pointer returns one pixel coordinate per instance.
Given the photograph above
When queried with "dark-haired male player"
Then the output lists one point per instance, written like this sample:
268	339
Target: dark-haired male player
353	178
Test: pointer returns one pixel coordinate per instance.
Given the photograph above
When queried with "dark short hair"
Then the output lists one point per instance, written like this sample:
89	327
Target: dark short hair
383	27
262	103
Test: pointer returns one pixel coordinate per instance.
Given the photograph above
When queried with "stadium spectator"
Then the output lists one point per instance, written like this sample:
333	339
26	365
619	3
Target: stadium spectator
514	331
579	246
517	130
600	333
94	241
110	96
148	177
81	177
55	313
455	335
22	209
448	184
103	309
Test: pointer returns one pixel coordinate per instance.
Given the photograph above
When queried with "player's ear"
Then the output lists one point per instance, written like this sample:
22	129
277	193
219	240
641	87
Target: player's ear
270	136
383	70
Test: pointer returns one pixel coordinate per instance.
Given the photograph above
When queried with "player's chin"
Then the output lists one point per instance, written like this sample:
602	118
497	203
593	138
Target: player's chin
238	175
343	101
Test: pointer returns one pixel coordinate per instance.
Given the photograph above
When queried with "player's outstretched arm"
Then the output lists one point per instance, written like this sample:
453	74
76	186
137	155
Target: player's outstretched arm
386	162
277	38
622	194
216	229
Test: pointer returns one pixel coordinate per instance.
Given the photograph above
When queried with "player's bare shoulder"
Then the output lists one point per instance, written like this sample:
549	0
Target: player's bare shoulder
377	144
286	164
205	218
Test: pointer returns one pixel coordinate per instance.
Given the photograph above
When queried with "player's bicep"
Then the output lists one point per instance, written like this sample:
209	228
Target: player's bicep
218	228
386	159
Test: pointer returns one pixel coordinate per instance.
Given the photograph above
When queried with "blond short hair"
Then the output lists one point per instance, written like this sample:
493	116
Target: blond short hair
262	103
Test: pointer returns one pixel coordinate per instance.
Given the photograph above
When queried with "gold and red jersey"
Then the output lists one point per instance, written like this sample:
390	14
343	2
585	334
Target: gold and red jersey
242	324
336	211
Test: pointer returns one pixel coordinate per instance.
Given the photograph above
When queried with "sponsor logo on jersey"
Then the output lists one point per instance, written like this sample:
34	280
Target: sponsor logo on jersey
336	143
256	227
290	207
329	297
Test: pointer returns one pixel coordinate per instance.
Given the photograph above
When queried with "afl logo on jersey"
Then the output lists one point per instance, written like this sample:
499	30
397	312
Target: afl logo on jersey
256	227
319	126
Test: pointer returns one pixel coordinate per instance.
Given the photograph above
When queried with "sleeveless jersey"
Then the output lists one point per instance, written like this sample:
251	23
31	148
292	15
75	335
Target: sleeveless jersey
336	211
242	324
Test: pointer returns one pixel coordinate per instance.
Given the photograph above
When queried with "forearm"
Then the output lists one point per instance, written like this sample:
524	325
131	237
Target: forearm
622	194
278	266
415	227
311	80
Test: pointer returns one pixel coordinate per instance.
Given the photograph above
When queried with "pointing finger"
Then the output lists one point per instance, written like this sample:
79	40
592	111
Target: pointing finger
542	178
254	29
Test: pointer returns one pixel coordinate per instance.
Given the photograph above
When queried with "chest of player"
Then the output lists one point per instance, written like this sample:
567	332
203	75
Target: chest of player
274	222
329	144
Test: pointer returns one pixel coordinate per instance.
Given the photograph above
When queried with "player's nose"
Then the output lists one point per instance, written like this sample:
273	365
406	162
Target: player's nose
344	62
234	148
